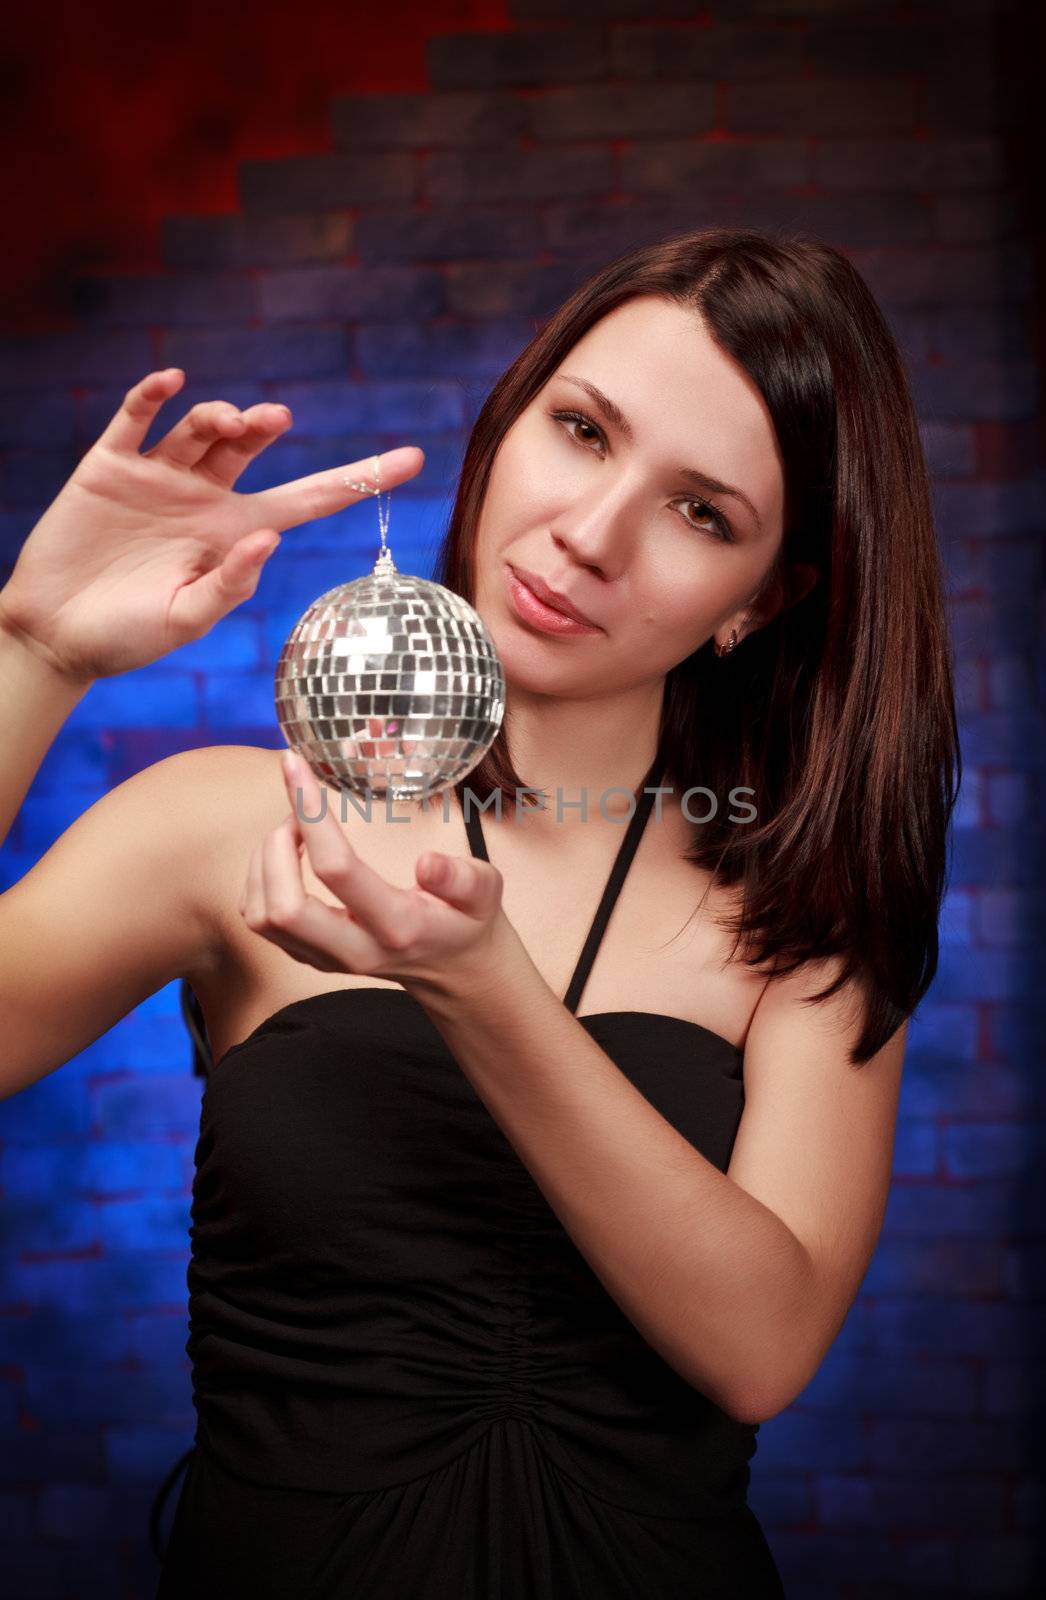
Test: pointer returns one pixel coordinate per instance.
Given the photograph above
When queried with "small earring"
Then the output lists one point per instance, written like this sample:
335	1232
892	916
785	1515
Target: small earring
725	650
385	562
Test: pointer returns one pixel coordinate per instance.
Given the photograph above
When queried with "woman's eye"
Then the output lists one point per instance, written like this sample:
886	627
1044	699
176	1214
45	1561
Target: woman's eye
574	421
710	514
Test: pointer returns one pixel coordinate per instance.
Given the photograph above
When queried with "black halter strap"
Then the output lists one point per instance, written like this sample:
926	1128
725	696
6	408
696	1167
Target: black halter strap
618	872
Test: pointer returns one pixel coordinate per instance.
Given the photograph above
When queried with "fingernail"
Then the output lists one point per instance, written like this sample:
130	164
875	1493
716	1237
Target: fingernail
436	869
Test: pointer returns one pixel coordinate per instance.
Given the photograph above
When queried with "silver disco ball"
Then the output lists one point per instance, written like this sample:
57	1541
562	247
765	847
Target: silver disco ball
390	685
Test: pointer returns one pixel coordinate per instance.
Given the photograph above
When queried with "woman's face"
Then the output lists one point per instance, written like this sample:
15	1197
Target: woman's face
656	559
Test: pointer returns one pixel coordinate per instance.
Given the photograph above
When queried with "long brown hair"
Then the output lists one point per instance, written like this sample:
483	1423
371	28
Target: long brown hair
840	712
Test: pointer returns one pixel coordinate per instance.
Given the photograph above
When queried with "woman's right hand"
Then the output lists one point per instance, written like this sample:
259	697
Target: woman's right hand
140	553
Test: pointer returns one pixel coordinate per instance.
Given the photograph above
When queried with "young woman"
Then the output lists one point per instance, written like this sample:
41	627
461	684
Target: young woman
489	1295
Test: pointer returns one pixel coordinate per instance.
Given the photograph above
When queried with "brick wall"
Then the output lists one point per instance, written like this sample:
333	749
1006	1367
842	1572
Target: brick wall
378	287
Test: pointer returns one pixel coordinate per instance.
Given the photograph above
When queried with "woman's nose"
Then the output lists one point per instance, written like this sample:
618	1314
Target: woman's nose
600	530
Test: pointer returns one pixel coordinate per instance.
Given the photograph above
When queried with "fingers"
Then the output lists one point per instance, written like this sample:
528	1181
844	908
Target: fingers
388	914
228	457
141	403
191	438
253	909
472	886
275	902
370	919
278	906
322	493
197	606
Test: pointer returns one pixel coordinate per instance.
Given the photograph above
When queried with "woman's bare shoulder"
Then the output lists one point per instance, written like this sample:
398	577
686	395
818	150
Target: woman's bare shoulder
227	786
242	792
232	794
247	763
245	784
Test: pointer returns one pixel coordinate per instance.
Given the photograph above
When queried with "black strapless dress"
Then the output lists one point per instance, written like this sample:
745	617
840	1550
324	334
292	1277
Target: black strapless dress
409	1383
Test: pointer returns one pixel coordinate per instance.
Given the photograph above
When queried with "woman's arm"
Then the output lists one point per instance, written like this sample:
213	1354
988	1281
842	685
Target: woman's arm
713	1279
35	700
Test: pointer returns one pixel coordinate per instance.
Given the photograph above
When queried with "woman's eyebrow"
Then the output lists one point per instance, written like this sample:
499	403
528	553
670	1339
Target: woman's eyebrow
613	413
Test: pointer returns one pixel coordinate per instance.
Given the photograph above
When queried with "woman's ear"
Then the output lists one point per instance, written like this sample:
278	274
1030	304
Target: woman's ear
801	577
790	585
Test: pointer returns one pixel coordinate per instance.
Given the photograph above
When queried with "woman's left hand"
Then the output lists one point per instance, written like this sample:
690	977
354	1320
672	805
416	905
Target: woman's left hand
441	934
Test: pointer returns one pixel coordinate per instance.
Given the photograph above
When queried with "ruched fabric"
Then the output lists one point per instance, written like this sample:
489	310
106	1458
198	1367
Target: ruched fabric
409	1383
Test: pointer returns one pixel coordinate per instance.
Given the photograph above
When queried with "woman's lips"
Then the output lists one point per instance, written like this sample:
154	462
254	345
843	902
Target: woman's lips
530	609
